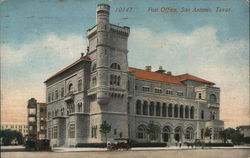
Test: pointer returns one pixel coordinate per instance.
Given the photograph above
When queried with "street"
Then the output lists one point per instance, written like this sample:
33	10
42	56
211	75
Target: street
235	152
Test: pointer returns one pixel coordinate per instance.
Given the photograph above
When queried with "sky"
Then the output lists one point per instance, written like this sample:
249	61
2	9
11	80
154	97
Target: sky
40	37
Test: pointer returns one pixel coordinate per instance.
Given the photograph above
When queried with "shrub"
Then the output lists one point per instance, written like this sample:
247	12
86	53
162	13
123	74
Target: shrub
246	140
91	145
219	144
149	144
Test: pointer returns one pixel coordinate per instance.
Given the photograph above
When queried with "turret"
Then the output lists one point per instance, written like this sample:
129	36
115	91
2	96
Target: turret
102	13
102	67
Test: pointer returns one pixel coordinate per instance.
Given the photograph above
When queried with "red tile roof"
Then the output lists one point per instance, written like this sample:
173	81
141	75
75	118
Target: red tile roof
83	58
155	76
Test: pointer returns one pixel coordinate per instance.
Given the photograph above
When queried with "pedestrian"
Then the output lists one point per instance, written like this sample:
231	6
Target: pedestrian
179	144
176	143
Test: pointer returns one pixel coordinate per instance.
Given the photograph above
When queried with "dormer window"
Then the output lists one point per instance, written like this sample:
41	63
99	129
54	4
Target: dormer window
179	93
199	95
169	92
158	90
145	88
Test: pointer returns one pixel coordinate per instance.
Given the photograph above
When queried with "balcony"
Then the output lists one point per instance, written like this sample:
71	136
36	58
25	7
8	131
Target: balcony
213	105
69	97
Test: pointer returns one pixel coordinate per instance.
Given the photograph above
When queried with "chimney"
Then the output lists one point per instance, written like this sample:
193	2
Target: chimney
160	70
148	68
169	73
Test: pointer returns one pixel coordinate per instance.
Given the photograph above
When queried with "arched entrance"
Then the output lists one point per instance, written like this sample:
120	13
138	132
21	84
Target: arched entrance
166	134
177	133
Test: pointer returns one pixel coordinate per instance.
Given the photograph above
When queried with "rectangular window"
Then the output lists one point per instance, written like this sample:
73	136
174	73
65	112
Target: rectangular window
115	131
145	89
49	133
52	97
158	90
56	94
79	85
169	92
179	93
49	99
62	92
199	95
55	132
93	132
72	131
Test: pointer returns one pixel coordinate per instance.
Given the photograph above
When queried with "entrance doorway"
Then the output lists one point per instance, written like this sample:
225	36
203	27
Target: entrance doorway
166	134
177	134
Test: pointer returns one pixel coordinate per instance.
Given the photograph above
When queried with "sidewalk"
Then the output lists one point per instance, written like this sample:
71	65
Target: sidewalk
58	149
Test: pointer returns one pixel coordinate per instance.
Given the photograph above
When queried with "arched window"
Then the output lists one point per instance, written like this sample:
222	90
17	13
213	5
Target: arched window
155	132
175	110
166	134
80	85
94	67
164	110
186	112
214	113
138	107
94	81
177	133
158	109
79	107
141	132
192	112
202	114
145	108
115	66
70	88
170	109
189	133
213	98
151	109
181	111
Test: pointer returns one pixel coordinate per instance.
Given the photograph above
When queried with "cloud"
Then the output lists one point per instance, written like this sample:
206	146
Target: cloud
25	67
63	47
200	53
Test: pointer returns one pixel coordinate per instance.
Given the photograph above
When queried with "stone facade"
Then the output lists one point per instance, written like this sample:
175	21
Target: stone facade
101	87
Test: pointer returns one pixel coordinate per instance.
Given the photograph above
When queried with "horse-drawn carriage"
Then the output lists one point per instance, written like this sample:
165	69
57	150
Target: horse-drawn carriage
120	143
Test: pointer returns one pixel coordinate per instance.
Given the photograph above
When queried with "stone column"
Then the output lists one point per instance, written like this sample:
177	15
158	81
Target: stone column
160	109
173	110
166	110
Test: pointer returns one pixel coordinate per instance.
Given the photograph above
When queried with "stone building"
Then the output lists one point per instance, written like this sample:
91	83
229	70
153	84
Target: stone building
21	127
36	119
101	87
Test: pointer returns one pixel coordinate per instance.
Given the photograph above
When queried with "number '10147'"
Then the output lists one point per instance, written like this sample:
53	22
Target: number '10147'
124	9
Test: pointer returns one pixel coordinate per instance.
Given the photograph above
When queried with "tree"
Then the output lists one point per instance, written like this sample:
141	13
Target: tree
105	128
208	133
8	136
232	134
151	130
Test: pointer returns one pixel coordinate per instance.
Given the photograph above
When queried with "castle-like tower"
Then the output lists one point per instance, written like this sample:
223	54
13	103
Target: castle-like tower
109	70
101	87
